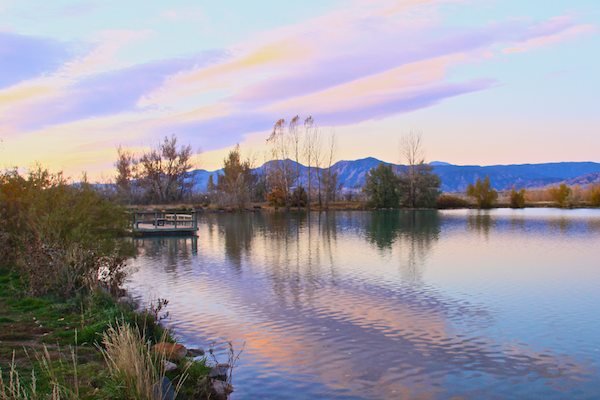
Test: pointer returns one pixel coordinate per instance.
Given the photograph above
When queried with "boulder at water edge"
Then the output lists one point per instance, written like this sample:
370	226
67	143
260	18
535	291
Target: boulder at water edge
171	351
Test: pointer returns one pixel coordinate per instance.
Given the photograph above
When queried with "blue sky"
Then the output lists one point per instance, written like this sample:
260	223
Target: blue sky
485	81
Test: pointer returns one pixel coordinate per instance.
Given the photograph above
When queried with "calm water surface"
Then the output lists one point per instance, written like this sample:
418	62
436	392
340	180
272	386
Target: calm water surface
390	305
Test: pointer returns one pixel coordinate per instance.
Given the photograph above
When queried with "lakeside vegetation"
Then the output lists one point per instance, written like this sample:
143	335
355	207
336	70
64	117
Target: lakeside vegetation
67	330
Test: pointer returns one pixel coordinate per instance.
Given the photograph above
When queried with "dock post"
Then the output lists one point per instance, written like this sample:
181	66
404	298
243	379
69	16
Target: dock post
194	244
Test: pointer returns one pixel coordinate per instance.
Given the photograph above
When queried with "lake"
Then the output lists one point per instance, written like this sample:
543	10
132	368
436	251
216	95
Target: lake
459	304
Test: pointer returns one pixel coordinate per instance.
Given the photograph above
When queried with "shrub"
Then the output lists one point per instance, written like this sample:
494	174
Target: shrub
276	198
560	194
595	196
447	201
60	236
517	198
483	193
299	197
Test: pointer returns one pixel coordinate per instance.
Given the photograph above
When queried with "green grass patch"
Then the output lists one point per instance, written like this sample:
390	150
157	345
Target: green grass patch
28	304
29	323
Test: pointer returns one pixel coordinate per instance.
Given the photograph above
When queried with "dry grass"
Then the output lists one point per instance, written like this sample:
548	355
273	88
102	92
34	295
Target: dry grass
579	196
130	358
17	388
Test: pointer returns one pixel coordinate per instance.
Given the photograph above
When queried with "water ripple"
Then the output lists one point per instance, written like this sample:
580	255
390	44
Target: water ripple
369	306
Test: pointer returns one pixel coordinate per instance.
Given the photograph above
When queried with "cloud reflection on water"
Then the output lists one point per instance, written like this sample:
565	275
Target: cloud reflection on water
341	300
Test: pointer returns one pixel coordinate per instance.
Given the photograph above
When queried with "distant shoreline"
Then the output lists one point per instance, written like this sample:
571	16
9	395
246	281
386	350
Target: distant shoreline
335	206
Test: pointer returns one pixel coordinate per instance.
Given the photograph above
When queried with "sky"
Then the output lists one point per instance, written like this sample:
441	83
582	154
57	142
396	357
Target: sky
484	81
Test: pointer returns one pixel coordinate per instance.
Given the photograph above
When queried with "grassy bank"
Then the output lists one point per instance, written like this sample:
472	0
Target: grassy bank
60	342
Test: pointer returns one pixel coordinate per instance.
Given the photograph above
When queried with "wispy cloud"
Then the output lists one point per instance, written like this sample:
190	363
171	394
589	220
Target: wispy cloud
353	65
367	60
108	93
555	31
106	47
24	57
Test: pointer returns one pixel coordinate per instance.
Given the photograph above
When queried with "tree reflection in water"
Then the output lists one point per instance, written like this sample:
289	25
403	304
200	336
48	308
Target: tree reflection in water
321	295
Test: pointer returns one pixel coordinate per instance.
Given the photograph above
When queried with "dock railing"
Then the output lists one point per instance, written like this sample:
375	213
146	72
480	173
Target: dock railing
164	222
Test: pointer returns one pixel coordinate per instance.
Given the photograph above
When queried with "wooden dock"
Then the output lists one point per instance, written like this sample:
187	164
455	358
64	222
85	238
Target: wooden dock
164	223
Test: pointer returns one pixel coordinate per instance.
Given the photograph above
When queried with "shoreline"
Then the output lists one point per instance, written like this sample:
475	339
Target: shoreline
62	342
264	207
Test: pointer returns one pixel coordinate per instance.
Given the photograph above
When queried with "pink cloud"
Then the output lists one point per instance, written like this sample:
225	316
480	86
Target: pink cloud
567	33
368	60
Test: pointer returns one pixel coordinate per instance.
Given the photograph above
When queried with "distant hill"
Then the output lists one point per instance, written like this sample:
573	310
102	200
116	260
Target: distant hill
439	163
589	179
455	178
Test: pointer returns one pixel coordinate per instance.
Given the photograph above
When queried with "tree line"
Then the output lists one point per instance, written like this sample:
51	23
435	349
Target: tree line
298	173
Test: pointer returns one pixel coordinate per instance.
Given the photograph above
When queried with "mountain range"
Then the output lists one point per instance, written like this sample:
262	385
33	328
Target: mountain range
455	178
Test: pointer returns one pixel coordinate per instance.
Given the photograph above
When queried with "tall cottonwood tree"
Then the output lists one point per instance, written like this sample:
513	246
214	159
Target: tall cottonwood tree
307	146
295	137
311	139
329	179
280	172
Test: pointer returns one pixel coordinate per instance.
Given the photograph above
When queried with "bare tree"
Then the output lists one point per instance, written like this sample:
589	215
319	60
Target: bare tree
164	168
320	154
412	154
280	174
329	178
310	146
310	138
295	138
420	186
317	156
163	171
